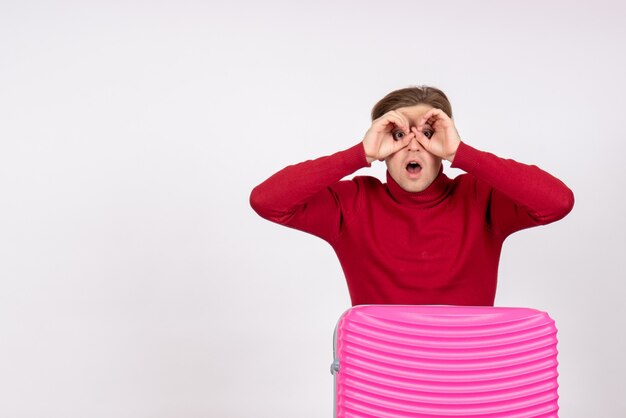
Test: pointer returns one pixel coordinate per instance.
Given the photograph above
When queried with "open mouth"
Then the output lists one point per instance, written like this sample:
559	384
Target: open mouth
413	167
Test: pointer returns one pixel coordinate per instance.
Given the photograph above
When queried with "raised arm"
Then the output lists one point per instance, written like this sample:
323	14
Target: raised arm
310	196
306	196
521	195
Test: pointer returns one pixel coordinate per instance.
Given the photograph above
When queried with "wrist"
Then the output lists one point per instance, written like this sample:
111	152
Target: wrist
368	158
451	155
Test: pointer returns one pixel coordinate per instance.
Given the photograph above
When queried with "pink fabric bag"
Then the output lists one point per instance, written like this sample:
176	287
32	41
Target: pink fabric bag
445	361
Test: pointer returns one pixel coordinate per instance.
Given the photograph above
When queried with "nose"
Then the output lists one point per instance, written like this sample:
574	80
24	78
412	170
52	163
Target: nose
414	145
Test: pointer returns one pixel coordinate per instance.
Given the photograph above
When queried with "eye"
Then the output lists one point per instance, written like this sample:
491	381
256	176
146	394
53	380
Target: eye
398	135
428	134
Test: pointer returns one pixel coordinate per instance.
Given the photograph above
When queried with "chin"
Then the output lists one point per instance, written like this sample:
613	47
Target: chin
413	188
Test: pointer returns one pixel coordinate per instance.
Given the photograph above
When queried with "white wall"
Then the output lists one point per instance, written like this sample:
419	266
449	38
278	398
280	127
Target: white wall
135	280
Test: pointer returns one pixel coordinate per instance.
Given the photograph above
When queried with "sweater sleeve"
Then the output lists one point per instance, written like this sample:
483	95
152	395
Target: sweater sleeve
309	196
520	195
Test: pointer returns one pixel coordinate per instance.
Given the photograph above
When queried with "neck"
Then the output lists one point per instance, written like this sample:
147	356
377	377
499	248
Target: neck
432	195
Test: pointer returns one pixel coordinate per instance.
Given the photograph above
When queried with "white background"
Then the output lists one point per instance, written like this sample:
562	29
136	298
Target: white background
135	280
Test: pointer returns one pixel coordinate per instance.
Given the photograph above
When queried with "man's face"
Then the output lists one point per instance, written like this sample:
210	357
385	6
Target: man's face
414	168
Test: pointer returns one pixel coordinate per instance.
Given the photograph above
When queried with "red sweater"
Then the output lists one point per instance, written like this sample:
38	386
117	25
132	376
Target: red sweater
440	246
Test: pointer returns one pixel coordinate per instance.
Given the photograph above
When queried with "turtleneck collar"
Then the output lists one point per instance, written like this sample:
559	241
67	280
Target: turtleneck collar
432	195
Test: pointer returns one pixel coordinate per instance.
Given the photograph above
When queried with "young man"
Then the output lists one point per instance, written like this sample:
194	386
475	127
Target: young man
420	238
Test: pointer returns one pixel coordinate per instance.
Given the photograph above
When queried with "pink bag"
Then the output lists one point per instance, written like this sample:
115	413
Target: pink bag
445	361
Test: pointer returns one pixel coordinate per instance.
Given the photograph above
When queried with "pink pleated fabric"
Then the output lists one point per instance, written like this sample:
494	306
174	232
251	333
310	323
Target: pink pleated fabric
445	361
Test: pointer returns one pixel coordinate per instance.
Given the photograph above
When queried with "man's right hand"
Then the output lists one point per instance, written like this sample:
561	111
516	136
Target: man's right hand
388	134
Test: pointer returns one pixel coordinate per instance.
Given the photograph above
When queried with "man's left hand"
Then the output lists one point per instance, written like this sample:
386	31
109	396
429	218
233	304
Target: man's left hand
444	140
